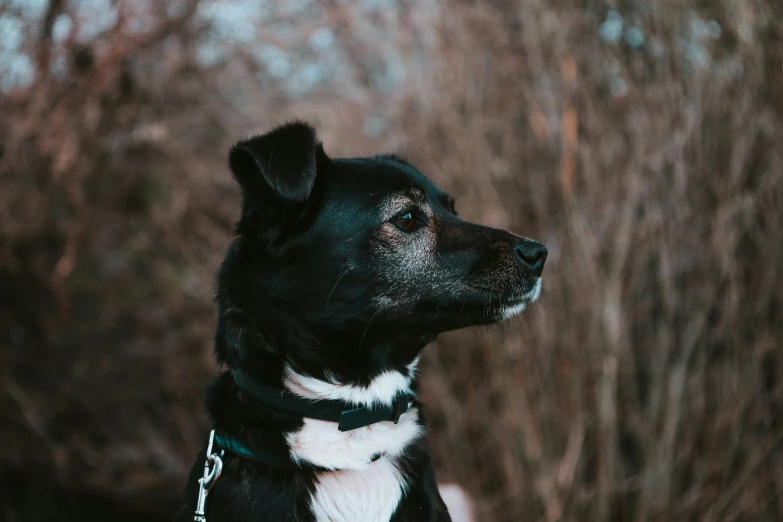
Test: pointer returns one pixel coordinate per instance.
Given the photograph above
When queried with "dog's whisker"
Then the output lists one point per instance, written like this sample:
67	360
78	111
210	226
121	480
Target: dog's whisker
335	286
350	316
367	328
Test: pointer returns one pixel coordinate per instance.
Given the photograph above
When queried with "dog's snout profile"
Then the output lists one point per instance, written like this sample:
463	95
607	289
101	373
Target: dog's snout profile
533	254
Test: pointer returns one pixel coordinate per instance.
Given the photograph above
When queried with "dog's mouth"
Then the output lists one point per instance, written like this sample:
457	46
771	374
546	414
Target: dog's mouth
516	306
489	305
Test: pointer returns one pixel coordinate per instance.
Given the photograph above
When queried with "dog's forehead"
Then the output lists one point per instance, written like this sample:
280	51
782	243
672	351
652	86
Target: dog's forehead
374	181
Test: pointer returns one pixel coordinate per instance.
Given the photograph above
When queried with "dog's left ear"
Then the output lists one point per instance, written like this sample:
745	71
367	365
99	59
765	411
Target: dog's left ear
279	166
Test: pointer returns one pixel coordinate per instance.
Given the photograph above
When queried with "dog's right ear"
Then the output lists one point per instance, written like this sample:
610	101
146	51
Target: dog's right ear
276	171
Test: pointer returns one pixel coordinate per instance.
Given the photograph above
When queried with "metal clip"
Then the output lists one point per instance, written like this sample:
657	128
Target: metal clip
209	479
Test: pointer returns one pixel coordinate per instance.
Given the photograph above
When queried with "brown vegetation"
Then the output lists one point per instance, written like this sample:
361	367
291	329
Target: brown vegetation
644	386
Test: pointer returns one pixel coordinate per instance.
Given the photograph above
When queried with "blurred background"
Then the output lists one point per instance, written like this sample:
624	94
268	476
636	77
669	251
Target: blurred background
641	141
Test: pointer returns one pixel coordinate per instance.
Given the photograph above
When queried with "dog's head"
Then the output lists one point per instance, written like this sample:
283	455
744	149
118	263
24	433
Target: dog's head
361	249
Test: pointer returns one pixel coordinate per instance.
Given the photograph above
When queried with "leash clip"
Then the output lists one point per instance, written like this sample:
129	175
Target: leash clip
207	482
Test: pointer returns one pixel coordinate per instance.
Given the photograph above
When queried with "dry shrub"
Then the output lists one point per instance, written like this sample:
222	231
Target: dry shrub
644	386
112	221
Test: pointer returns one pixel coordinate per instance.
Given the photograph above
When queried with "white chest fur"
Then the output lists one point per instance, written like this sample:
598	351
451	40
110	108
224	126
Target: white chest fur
368	495
321	443
358	489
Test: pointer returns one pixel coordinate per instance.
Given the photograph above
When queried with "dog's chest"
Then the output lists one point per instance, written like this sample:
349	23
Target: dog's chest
367	495
366	485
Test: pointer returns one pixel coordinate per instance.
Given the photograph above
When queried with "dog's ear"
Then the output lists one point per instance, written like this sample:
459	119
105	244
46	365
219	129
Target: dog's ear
280	164
276	172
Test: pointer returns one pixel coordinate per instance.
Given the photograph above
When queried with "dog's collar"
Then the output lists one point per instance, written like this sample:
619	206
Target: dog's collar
232	444
348	416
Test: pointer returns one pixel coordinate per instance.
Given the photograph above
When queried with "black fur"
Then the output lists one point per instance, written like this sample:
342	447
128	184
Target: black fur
324	277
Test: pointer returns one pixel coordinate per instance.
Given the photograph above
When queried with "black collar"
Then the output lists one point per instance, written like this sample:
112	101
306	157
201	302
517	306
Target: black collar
348	416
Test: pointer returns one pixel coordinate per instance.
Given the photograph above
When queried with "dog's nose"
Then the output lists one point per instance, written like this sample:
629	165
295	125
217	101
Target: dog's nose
533	254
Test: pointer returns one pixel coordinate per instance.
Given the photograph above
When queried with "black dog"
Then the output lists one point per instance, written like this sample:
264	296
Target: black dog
341	271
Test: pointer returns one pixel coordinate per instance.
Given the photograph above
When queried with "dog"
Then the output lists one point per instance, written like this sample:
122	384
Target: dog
341	271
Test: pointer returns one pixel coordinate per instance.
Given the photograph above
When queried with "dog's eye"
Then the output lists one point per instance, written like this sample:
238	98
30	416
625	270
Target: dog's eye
406	221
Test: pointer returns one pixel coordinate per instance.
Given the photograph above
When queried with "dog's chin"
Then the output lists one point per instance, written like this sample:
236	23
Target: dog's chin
438	317
511	310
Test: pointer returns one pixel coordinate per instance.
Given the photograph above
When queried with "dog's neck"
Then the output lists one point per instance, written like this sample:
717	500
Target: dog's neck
321	362
310	442
378	375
